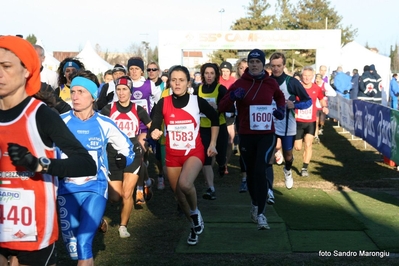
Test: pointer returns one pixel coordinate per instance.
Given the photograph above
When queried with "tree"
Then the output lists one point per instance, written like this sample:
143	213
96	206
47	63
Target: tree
31	38
317	14
309	15
284	18
394	59
255	20
306	14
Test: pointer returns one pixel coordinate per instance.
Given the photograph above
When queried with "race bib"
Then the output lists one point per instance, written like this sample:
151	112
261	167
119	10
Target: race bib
84	179
129	127
306	114
17	215
142	103
181	137
210	101
260	117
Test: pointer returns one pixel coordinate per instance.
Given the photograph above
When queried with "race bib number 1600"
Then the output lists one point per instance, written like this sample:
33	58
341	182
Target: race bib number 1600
260	117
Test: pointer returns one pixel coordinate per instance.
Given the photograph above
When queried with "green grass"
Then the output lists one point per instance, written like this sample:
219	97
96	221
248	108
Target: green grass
156	228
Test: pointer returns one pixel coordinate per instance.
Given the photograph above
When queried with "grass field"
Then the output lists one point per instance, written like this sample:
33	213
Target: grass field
338	163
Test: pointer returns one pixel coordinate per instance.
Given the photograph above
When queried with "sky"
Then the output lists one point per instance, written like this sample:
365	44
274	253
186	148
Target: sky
116	26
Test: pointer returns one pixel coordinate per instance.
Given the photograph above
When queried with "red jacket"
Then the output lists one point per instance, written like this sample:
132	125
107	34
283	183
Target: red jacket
257	92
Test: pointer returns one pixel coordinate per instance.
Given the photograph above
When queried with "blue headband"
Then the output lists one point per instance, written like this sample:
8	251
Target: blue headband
70	64
87	84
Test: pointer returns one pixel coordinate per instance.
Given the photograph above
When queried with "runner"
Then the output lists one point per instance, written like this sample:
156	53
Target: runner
254	94
82	200
184	150
127	116
296	98
30	169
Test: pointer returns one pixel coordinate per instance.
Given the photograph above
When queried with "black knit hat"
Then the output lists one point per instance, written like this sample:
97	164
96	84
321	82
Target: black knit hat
135	61
258	54
118	67
227	65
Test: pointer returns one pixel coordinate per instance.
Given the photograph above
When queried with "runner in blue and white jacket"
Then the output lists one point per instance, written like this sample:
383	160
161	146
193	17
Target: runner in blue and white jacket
82	200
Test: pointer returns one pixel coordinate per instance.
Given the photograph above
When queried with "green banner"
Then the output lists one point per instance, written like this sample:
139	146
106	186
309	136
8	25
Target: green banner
395	136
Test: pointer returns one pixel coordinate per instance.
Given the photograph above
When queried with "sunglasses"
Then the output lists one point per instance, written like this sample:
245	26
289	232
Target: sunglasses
152	69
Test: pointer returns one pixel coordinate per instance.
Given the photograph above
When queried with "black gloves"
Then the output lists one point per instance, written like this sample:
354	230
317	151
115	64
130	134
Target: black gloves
238	94
20	156
279	113
120	161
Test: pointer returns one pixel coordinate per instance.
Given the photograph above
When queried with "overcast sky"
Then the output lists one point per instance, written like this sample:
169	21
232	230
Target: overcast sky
115	25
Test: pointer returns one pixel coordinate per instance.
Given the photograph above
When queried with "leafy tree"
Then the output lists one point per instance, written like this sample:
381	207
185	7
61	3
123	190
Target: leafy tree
312	15
309	15
153	54
31	38
255	20
394	59
284	19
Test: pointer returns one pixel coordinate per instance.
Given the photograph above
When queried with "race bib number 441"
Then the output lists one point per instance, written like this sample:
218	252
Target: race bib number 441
260	117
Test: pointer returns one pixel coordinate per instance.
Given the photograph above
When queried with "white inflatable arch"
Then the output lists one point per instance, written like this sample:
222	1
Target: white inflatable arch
172	43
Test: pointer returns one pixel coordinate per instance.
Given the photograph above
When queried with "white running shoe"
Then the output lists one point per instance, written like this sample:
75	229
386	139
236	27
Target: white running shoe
304	172
254	214
192	239
123	233
289	181
270	197
198	223
279	157
262	222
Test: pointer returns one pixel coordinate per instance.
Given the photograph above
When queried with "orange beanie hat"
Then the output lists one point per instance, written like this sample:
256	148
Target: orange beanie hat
25	51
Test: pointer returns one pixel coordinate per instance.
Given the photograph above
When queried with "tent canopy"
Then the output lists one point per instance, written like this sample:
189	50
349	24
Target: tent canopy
92	60
354	55
50	61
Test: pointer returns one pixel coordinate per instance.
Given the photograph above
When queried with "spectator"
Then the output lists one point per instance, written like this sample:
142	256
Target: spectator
342	83
367	88
355	84
46	75
394	91
377	84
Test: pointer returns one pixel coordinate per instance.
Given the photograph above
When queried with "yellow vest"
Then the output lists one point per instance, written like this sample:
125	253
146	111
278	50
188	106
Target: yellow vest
65	94
206	122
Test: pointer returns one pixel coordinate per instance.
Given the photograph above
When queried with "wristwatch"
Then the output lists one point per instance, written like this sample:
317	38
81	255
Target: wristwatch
45	163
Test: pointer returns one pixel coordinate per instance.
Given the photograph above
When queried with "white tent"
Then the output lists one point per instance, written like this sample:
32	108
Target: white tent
92	60
354	55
